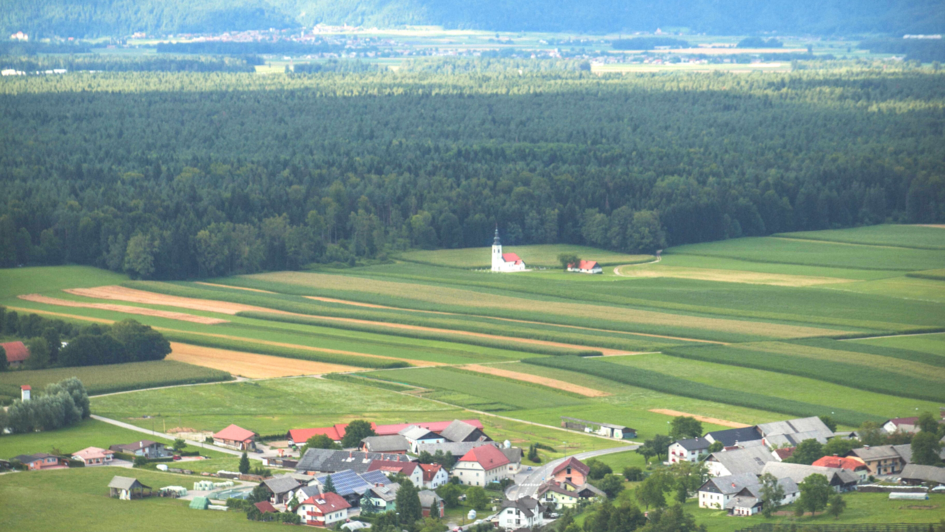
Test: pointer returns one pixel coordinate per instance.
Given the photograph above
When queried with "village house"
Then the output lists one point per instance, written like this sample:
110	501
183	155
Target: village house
93	456
411	470
352	486
126	488
236	437
585	266
504	262
333	461
514	455
266	507
145	448
882	460
738	461
794	431
525	512
460	431
385	444
566	494
380	499
17	353
324	510
905	425
434	476
432	504
416	435
741	494
855	465
456	449
35	462
282	488
481	466
914	475
839	479
571	470
689	450
740	437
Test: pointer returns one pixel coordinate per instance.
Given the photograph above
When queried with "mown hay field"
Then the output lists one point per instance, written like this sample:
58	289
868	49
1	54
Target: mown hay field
724	276
249	365
126	309
542	255
113	377
905	236
534	379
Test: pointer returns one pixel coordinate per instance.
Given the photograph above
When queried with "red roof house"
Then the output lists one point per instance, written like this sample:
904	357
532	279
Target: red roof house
837	462
336	432
585	266
17	353
266	507
434	475
571	470
481	465
324	510
784	452
236	437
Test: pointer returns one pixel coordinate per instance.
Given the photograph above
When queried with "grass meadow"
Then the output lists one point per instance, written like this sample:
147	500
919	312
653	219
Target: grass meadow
901	236
926	343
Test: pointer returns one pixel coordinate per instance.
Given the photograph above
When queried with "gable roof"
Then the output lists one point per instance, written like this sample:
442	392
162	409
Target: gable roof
799	472
511	257
281	484
784	452
454	448
486	456
327	503
348	482
573	463
266	507
386	493
428	497
730	484
584	265
877	452
29	458
514	454
93	452
336	432
386	444
694	444
794	431
748	460
415	433
527	505
235	433
458	431
923	473
134	446
389	466
839	462
16	351
903	421
430	471
730	437
331	461
125	483
433	426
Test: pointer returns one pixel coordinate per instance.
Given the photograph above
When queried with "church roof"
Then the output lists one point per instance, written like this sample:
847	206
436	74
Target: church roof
511	257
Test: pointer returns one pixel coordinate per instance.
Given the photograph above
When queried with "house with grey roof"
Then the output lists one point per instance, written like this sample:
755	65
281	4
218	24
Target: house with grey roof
332	461
385	444
459	431
432	504
734	437
417	435
281	488
738	461
914	475
688	450
839	479
794	431
525	512
127	488
380	499
741	494
883	459
456	449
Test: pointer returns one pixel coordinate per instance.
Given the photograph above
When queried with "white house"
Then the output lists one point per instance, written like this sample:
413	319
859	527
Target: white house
481	465
741	494
324	510
521	513
737	461
416	435
690	450
585	266
434	476
411	470
504	262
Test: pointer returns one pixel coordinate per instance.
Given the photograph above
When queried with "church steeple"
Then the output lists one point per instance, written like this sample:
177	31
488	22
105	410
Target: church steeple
496	241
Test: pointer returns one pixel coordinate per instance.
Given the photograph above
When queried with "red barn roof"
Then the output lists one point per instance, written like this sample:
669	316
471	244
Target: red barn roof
851	464
389	466
234	433
335	432
585	265
434	426
430	471
266	507
16	351
25	387
487	456
327	503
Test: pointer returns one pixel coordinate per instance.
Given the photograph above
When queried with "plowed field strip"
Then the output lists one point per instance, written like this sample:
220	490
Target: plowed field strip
535	379
250	364
714	421
36	298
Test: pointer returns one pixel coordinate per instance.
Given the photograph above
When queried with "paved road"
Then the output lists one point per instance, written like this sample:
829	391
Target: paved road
170	437
527	483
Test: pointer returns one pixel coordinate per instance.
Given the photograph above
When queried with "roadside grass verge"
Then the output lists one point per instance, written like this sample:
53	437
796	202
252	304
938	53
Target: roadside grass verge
845	374
678	386
112	378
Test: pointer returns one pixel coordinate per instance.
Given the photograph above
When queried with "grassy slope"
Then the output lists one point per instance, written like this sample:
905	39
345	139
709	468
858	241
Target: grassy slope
545	256
928	343
50	280
906	236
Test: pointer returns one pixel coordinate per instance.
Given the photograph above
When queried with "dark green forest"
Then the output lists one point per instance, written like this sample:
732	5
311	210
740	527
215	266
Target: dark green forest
94	18
175	175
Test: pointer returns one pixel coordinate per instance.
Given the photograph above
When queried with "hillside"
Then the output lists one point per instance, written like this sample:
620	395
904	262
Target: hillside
87	18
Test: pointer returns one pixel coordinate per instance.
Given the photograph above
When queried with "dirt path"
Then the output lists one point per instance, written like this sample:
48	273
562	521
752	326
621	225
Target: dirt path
235	287
535	379
714	421
36	298
250	364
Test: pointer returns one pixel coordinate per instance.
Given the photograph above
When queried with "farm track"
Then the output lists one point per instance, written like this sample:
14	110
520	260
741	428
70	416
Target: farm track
535	379
250	365
180	316
714	421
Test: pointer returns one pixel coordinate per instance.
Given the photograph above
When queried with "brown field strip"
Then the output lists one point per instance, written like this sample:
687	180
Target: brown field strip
36	298
235	287
250	364
535	379
728	276
714	421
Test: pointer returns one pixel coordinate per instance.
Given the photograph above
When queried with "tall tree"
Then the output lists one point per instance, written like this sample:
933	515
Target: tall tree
244	463
815	492
356	431
926	448
408	504
683	427
772	493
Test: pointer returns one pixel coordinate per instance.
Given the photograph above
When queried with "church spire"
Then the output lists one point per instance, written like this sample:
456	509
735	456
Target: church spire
496	241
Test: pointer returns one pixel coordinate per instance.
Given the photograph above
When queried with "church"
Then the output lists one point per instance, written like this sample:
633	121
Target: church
504	262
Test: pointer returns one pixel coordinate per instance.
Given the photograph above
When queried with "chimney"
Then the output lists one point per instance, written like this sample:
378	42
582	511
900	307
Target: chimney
25	392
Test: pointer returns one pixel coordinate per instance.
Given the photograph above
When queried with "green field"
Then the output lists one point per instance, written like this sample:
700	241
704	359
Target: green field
112	378
901	236
535	256
928	343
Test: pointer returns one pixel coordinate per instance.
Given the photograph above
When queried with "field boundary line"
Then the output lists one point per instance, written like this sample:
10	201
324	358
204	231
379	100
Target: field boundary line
235	378
125	309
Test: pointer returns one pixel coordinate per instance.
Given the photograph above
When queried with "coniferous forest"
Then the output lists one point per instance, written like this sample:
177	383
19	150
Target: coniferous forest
176	175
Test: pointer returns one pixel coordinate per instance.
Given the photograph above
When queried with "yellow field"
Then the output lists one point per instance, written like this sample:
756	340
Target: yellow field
725	276
704	419
535	379
249	364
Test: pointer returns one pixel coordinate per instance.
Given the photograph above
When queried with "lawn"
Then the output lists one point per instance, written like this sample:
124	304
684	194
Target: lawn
904	236
112	378
81	502
545	256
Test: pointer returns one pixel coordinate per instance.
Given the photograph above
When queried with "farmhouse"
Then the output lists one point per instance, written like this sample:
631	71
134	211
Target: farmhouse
411	470
905	425
566	494
352	486
738	461
840	479
35	462
332	461
380	499
93	456
504	262
126	488
585	266
521	513
455	449
281	488
883	459
324	510
17	353
337	432
852	464
514	454
432	504
481	466
689	450
460	431
416	435
434	476
385	444
236	438
741	494
146	448
794	431
914	475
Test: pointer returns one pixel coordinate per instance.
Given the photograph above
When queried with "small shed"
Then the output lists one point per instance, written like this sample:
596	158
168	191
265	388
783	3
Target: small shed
200	503
127	488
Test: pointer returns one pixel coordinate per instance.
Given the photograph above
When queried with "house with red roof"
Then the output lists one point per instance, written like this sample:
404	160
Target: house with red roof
586	266
235	437
851	463
571	470
17	353
324	509
434	476
93	456
336	432
504	262
481	465
411	470
905	425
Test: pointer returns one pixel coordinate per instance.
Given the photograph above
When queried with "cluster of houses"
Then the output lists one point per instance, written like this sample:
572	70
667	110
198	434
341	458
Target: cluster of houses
750	452
93	456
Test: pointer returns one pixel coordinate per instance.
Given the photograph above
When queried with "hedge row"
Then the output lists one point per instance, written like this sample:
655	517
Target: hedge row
284	352
661	382
852	375
422	335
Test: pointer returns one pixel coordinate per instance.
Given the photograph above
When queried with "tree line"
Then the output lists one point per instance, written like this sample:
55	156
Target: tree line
60	405
177	175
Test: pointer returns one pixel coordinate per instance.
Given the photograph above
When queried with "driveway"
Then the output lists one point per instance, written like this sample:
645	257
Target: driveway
528	482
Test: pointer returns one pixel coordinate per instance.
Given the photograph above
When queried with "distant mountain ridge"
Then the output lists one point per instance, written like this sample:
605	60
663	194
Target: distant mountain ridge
94	18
